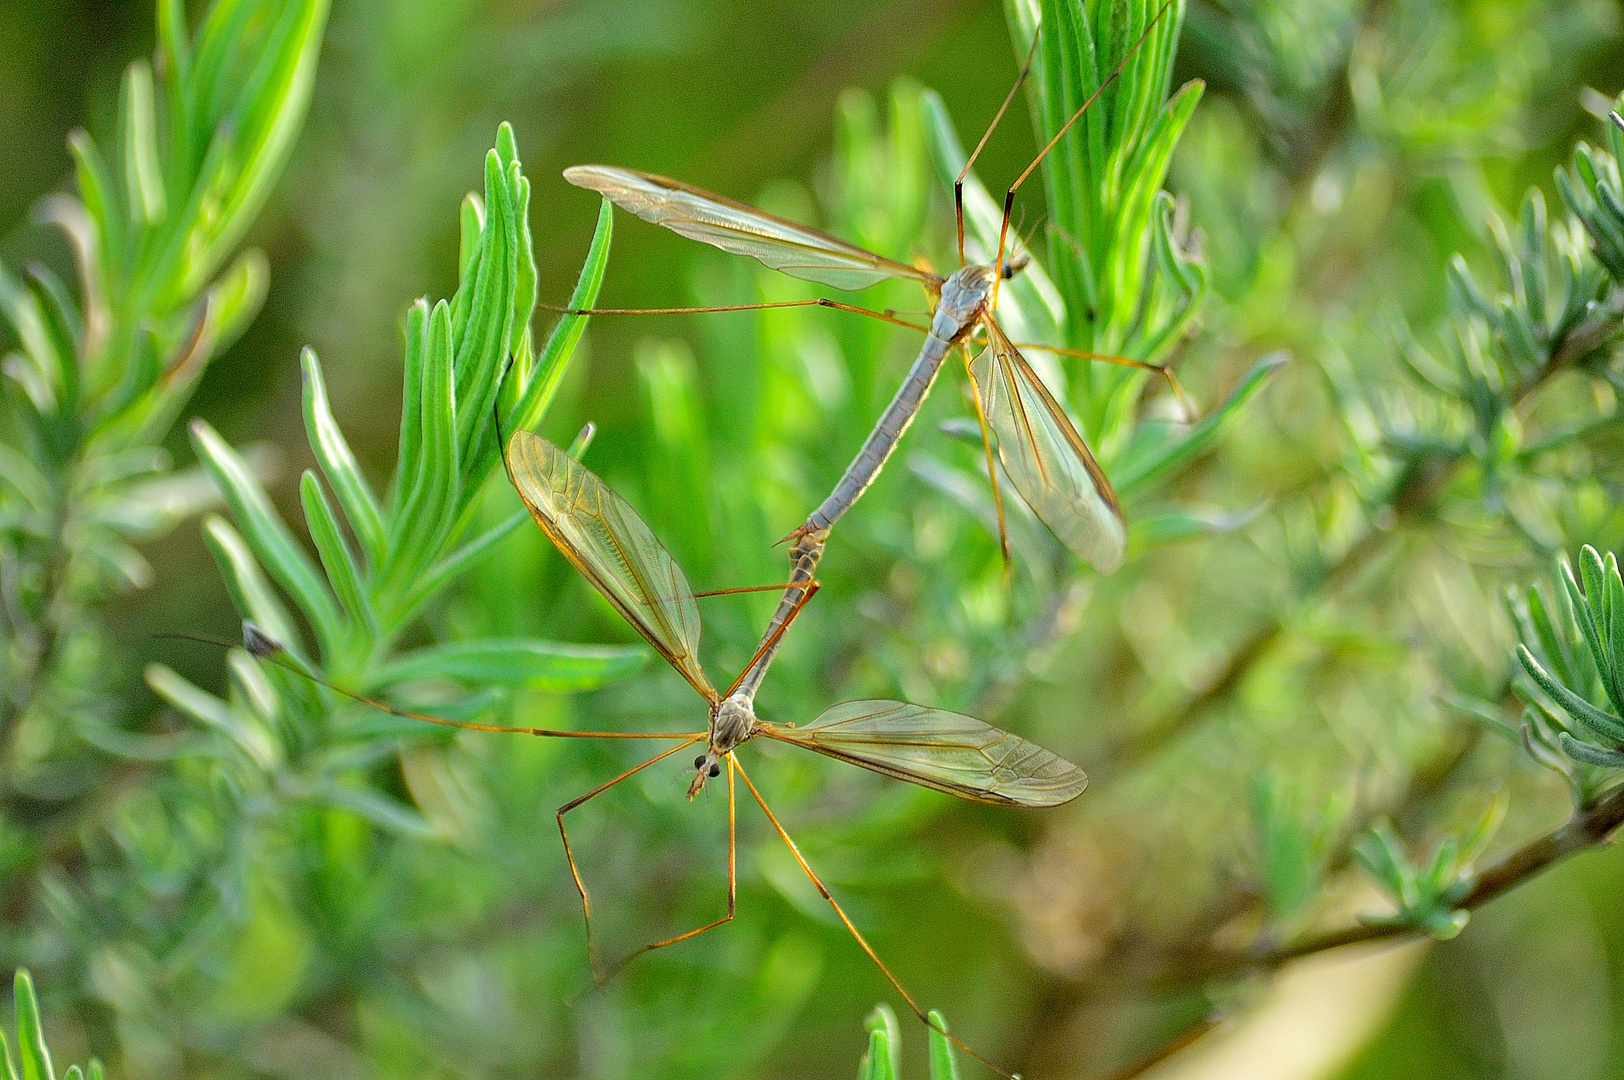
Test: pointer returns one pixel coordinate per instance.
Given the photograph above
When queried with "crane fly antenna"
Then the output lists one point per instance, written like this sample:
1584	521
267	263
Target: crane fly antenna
958	184
1009	196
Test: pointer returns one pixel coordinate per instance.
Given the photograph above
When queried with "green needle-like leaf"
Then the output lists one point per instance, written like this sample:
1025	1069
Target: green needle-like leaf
34	1057
338	464
342	573
546	665
273	544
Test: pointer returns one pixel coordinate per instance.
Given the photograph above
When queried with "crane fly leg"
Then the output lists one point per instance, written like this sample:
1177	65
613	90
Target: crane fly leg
598	973
992	467
821	301
1124	361
845	920
732	886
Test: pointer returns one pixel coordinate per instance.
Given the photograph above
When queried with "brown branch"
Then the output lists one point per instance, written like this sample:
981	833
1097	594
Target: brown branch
1589	828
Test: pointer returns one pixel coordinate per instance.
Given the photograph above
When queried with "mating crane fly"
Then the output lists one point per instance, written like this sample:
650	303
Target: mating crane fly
1040	449
600	534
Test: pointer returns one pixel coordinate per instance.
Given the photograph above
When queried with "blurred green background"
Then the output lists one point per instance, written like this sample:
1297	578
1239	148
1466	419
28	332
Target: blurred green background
1342	153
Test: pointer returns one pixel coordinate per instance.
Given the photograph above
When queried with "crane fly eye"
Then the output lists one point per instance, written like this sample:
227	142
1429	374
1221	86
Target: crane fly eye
715	770
699	762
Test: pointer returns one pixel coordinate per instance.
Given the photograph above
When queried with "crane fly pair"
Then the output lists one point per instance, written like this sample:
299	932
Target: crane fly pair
600	534
1022	426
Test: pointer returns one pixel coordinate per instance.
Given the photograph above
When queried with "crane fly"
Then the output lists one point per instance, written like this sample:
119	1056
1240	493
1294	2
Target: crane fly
1039	447
600	534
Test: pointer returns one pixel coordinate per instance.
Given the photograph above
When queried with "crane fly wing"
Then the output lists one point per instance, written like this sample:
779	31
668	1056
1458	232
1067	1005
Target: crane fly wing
938	749
613	548
1046	459
794	249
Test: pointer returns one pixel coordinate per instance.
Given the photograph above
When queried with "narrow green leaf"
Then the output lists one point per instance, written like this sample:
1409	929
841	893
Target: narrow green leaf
273	544
419	524
471	217
39	371
547	665
1554	646
1583	614
266	122
388	814
34	1056
555	356
943	1065
483	331
19	474
1596	720
409	459
143	175
63	329
1152	530
882	1025
8	1069
237	296
1612	647
214	714
342	573
251	593
99	198
456	563
1589	753
1145	470
338	464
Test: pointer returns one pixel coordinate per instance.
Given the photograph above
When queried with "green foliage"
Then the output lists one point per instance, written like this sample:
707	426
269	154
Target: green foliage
1584	685
1427	894
97	381
1295	842
468	363
264	872
33	1060
881	1060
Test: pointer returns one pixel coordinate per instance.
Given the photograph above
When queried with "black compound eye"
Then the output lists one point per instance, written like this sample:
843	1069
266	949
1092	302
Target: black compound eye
1009	271
699	762
715	770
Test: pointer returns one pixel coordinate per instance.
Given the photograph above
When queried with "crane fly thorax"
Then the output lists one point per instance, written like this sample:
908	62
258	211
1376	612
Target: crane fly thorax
732	721
965	296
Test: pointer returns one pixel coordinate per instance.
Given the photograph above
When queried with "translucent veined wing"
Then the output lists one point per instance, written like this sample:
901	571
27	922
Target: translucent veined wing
937	749
743	230
613	548
1044	456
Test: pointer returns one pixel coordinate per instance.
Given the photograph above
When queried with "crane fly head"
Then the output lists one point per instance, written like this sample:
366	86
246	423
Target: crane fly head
707	766
733	720
1014	264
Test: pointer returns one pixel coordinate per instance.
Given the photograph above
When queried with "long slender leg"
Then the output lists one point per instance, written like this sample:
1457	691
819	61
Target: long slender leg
1009	196
271	651
822	301
732	885
845	920
569	854
992	465
958	184
1123	361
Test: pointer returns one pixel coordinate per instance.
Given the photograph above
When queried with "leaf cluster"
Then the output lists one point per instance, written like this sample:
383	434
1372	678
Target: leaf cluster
1571	722
1427	894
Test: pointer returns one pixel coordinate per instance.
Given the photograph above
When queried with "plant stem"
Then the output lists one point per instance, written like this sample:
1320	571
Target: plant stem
1411	493
1589	828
